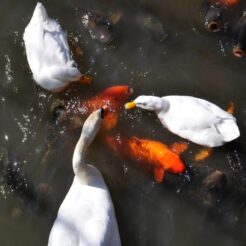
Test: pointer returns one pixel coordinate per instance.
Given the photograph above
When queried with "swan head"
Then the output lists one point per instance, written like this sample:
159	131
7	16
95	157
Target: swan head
92	124
151	103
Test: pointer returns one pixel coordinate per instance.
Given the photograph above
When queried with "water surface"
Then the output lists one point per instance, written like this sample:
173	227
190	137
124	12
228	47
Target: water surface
35	156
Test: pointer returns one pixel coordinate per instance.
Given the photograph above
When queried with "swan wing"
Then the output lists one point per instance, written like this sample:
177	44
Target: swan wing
55	46
45	41
187	112
86	217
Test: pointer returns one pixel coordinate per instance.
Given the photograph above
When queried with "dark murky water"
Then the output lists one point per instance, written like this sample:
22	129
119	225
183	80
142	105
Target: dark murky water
35	156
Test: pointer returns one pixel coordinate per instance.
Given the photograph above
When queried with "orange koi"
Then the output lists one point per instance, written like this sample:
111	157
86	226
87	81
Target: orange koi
224	2
203	154
114	97
230	2
152	153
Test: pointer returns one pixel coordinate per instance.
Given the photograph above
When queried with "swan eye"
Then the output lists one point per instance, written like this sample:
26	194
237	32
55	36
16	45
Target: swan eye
102	113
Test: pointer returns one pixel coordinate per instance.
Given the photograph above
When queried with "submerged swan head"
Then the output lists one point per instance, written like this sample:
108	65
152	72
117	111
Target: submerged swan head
151	103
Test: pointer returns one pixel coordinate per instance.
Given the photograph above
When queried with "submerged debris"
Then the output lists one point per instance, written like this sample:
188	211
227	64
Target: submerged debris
151	25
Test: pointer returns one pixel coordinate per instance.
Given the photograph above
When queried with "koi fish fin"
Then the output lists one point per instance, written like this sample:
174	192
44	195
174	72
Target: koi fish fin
231	108
110	121
203	154
112	143
179	147
159	173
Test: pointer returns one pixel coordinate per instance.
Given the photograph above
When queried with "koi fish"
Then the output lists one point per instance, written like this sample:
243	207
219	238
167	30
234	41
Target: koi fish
203	154
214	17
224	2
114	97
152	153
229	2
239	38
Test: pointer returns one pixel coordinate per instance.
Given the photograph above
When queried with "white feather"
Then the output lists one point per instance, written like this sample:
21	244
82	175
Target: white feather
192	118
48	52
86	217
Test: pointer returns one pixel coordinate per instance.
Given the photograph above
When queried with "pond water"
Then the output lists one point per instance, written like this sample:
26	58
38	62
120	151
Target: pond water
35	156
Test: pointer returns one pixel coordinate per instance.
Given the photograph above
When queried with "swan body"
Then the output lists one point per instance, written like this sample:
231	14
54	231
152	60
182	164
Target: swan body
48	53
192	118
86	217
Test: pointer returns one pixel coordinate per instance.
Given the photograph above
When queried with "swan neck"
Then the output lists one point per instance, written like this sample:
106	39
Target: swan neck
79	166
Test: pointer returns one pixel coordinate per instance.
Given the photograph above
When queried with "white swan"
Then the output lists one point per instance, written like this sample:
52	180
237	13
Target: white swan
192	118
86	216
48	52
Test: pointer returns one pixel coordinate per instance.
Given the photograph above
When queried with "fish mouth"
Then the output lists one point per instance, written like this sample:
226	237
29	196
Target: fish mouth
213	26
238	52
